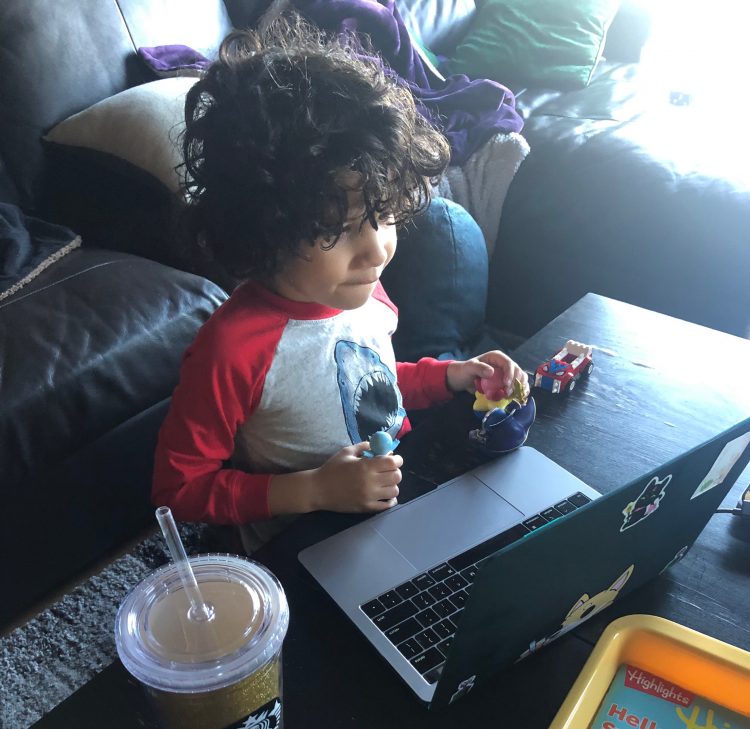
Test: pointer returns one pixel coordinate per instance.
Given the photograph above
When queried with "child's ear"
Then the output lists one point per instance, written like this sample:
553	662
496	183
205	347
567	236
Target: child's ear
306	247
304	251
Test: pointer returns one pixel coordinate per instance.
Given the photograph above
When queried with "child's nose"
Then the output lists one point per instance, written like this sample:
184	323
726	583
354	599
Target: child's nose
374	246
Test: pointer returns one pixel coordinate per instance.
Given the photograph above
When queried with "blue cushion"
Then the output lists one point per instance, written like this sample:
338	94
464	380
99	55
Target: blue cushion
438	280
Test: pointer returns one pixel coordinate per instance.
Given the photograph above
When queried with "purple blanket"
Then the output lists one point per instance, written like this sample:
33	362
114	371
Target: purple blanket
166	60
467	111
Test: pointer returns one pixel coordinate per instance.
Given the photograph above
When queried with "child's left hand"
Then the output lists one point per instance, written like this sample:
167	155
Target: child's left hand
462	375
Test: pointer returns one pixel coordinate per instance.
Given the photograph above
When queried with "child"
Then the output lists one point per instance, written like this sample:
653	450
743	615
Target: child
302	157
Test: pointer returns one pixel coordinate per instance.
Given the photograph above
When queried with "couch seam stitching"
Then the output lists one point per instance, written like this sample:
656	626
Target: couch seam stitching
125	23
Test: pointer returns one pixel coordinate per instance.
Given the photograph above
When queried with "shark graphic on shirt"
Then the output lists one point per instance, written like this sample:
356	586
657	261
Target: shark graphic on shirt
370	398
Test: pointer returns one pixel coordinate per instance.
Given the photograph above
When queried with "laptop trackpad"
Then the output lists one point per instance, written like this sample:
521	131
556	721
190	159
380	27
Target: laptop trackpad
446	522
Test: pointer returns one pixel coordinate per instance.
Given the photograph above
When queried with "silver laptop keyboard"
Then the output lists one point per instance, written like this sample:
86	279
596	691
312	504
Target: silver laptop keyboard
420	616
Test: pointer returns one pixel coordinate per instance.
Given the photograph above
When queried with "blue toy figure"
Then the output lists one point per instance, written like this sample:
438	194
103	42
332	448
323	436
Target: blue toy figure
381	444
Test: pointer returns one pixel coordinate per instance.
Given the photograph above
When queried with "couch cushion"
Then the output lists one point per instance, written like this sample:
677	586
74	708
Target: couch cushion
628	197
56	58
79	510
116	172
535	42
437	25
90	343
7	188
60	57
140	126
438	280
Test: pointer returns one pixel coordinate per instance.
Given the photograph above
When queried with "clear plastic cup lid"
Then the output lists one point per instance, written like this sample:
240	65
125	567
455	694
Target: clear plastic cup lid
165	648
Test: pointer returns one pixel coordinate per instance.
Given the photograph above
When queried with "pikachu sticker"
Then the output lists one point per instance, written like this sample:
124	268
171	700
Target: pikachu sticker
583	608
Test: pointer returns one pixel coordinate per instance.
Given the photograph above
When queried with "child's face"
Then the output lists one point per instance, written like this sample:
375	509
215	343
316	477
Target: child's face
342	277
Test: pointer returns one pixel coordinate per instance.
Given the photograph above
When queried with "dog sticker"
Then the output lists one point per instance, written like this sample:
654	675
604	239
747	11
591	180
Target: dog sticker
647	503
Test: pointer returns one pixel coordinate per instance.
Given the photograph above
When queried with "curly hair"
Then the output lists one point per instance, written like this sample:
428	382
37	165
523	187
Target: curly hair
271	127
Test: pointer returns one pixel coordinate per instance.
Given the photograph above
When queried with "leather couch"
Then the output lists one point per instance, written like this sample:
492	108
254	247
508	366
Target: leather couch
90	354
623	193
626	195
91	348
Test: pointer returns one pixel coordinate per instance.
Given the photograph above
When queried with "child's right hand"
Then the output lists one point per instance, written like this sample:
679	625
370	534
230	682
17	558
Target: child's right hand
350	483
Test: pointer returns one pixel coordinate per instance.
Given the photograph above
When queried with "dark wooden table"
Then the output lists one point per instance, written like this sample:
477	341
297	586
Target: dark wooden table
660	386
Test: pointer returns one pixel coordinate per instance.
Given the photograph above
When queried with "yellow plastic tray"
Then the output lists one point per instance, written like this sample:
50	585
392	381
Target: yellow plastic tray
697	663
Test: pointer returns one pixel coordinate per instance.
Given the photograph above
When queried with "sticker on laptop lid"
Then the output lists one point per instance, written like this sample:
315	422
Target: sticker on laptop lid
647	502
675	559
729	455
583	609
463	688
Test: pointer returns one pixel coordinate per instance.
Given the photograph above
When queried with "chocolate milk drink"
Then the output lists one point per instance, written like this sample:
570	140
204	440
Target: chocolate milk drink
216	669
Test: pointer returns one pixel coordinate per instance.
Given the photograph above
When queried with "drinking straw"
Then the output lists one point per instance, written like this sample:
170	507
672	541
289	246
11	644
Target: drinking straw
200	610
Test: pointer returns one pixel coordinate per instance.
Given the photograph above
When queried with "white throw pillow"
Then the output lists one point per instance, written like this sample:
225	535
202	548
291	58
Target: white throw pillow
141	125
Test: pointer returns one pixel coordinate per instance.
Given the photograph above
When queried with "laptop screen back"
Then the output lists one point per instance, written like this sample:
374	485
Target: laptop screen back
553	579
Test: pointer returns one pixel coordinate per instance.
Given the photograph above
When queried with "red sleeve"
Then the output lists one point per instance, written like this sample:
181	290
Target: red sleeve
221	382
423	383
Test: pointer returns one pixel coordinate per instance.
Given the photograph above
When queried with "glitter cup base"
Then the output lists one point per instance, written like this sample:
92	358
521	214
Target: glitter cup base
250	702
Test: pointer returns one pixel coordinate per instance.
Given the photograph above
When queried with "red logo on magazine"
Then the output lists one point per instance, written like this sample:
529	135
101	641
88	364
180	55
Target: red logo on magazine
647	683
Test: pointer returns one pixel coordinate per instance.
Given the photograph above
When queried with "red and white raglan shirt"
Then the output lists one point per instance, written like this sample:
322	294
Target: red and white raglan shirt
271	386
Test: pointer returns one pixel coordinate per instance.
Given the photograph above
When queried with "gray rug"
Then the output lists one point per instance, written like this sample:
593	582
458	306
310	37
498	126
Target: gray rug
46	660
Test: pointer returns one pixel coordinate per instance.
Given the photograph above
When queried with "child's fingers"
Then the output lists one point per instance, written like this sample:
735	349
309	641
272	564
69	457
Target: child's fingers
357	449
388	491
379	493
382	505
386	479
383	464
482	369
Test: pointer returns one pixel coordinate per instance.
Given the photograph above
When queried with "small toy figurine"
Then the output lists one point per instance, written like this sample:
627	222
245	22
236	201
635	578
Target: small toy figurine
381	444
563	371
487	396
506	422
491	387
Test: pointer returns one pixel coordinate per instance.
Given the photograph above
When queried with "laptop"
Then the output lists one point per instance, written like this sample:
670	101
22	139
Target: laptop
495	564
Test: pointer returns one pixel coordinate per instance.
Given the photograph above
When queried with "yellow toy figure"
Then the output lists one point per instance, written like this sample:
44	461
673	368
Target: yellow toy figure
483	403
